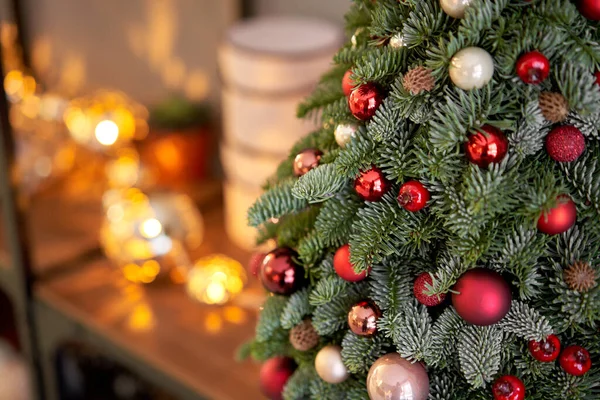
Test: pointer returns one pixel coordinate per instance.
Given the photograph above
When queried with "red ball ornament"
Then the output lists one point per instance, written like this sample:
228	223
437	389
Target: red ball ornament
274	374
343	267
597	75
306	160
347	83
489	146
365	100
546	350
280	274
575	360
363	317
413	196
560	218
508	387
533	67
481	297
371	184
565	143
589	9
419	290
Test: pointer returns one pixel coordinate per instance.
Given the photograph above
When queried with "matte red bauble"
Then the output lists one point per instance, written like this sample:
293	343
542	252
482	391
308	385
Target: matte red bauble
489	146
565	143
481	297
274	374
343	267
371	184
413	196
508	387
560	218
347	83
575	360
589	9
420	288
306	160
363	317
546	350
280	274
533	67
365	100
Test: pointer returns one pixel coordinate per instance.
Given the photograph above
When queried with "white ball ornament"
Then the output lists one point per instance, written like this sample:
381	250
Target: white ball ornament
329	365
471	68
455	8
344	133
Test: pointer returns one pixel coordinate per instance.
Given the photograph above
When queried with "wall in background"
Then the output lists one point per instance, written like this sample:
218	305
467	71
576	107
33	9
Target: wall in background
333	10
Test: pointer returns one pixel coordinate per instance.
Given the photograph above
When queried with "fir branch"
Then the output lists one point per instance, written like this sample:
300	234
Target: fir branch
480	16
269	317
298	385
423	25
337	215
525	322
479	351
275	203
351	389
579	87
331	317
445	333
358	155
443	386
293	227
296	309
412	336
379	64
310	248
391	283
359	353
319	184
327	289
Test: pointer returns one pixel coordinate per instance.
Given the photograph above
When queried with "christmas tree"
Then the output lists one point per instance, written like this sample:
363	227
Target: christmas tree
438	237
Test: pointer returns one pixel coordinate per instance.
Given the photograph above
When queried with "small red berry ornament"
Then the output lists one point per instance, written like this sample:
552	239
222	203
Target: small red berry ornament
565	143
420	288
347	83
274	374
371	184
560	218
589	9
575	360
343	267
508	387
489	146
545	351
533	67
413	196
365	100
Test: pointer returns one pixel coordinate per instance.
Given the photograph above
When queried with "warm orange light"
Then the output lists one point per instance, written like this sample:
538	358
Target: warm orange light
107	132
216	279
213	323
235	314
141	318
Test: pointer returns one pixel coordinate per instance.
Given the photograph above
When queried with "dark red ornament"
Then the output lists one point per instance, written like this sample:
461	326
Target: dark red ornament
306	160
413	196
575	360
508	387
597	75
560	218
280	274
343	267
419	290
565	143
589	9
371	184
489	146
347	83
274	374
365	100
363	317
481	297
255	262
546	350
533	67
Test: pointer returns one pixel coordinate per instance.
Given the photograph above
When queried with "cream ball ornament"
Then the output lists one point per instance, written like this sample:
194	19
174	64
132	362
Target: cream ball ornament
392	377
329	365
471	68
455	8
344	133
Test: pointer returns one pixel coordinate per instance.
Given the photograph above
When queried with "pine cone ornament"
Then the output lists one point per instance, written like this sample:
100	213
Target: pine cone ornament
580	277
303	336
554	106
418	79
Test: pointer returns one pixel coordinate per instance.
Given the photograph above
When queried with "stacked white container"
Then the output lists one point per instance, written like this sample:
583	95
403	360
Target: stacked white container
268	65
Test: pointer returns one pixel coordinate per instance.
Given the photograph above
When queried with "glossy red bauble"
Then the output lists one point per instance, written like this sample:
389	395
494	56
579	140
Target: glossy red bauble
420	288
306	160
481	297
362	318
280	274
274	374
565	143
413	196
371	184
560	218
347	83
343	267
575	360
365	100
489	146
546	350
589	9
533	67
508	387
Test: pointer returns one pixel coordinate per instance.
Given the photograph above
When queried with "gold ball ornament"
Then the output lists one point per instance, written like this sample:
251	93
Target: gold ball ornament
303	336
329	365
554	106
455	8
471	68
344	133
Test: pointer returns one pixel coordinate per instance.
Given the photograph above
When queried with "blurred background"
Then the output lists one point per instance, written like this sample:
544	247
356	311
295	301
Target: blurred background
135	134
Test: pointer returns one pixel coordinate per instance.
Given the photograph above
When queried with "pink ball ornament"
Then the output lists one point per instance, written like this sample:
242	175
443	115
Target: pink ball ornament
392	377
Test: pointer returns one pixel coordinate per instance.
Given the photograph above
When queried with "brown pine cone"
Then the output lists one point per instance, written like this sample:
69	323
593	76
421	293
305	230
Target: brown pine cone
303	336
418	79
580	277
554	106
